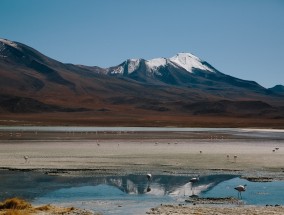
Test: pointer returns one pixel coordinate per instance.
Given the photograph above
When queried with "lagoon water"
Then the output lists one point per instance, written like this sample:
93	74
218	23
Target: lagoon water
131	194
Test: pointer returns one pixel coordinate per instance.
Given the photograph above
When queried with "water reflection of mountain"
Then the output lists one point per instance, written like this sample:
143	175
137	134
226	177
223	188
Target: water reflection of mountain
165	184
30	185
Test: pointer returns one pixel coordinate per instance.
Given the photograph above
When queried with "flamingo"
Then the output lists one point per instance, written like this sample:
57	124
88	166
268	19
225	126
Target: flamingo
149	177
26	158
240	189
194	180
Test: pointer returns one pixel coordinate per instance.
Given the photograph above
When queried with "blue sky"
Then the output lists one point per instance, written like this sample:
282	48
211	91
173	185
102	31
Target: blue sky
242	38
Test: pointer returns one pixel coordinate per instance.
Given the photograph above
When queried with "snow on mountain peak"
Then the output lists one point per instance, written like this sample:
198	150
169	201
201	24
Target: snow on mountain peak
3	46
156	63
9	43
185	60
188	62
133	64
118	70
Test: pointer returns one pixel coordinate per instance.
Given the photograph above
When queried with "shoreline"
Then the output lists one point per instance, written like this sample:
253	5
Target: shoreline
263	176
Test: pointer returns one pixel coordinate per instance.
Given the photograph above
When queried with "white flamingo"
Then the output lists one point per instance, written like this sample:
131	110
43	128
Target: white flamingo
240	189
26	158
149	177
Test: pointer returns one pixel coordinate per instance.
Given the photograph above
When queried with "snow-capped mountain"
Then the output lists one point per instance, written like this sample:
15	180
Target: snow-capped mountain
183	69
184	61
180	69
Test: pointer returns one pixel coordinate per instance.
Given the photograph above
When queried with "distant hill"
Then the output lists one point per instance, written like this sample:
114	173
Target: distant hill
279	89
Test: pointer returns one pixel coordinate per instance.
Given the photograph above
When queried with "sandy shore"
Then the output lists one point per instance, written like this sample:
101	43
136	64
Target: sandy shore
209	210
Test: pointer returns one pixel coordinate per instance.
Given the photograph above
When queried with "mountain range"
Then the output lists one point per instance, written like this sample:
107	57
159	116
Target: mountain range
182	90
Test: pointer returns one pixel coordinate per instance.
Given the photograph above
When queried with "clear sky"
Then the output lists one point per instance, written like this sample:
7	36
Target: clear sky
242	38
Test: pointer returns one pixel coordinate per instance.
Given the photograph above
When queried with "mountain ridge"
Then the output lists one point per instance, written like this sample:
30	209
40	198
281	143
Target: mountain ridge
176	86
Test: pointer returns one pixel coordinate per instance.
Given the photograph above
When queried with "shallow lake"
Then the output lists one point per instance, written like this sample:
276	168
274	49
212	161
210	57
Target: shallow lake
131	194
99	129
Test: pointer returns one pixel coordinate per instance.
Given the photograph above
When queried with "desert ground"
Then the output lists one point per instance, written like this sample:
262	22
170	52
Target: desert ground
209	210
121	153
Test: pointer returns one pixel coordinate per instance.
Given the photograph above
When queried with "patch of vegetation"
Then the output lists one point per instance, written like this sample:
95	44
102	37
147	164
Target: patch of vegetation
17	206
15	203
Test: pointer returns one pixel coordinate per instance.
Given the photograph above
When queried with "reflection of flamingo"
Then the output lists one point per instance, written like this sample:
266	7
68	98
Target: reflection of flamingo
193	180
240	189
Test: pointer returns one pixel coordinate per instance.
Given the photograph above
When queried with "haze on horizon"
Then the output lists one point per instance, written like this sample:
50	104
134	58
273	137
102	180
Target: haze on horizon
239	38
